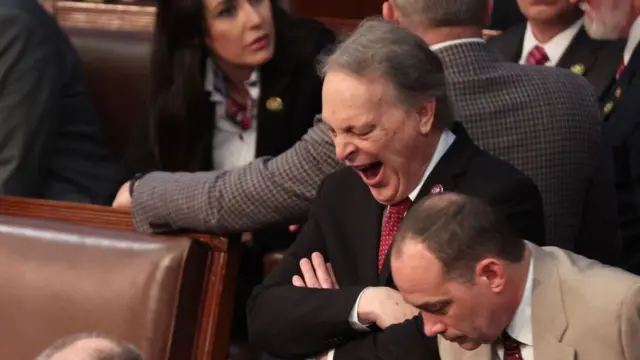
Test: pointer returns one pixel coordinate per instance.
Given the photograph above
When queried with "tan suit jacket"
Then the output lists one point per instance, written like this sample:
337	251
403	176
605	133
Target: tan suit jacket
581	310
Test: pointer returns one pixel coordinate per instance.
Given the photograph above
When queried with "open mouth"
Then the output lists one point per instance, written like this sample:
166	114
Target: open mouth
369	172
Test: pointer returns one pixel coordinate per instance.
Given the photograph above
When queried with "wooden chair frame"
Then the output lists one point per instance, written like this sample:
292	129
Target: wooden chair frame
214	330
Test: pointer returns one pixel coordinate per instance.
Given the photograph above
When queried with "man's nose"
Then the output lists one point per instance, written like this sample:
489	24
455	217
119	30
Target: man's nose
344	148
432	327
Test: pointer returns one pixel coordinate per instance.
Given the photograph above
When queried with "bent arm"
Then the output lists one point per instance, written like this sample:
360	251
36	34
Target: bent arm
30	90
266	191
294	323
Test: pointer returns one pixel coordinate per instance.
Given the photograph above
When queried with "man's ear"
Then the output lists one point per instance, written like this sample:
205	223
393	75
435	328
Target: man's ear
426	116
388	12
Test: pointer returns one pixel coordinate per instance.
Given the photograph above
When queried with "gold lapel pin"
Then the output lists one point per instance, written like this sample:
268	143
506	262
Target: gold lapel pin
274	104
578	69
608	107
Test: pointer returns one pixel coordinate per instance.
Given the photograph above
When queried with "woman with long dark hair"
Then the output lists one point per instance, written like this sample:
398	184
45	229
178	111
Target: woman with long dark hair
231	80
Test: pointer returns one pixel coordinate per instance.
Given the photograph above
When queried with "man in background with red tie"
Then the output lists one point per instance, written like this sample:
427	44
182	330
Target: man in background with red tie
554	35
490	295
613	20
386	107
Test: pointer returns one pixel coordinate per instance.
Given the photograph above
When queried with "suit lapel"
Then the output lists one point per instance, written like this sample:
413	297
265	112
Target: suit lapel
442	178
623	84
548	315
580	51
583	54
509	44
275	77
368	231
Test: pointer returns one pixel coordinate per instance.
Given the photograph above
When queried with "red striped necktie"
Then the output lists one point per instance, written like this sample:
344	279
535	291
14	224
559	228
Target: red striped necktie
537	56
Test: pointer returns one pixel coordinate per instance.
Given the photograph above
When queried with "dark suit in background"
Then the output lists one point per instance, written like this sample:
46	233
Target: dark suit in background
599	59
622	129
546	122
344	225
51	143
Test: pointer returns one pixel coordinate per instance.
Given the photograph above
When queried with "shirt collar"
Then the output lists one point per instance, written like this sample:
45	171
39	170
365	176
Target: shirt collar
520	327
632	41
446	139
443	44
555	47
215	84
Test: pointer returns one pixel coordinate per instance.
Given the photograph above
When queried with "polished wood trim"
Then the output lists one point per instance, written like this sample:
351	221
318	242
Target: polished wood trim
84	214
109	17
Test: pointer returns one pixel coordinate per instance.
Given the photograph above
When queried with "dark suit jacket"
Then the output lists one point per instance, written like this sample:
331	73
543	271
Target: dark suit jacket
622	129
344	225
600	59
51	143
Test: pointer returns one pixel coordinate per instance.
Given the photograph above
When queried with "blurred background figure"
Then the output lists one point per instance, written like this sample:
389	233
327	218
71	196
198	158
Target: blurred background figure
90	347
554	35
51	143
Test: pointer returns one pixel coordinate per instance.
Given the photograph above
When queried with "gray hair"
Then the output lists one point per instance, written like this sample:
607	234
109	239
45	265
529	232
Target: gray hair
380	49
124	351
437	13
459	231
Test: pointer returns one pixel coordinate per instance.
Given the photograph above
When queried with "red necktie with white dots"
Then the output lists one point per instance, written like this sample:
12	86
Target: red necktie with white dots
390	226
511	347
537	56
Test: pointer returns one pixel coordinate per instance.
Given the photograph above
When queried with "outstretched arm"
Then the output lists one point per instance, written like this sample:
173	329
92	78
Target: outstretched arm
266	191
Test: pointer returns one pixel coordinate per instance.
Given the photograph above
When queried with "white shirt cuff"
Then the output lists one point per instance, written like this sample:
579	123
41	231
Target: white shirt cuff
330	354
353	320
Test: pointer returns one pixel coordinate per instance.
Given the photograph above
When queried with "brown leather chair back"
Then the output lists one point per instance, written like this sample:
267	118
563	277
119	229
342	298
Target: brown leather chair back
60	279
67	268
116	67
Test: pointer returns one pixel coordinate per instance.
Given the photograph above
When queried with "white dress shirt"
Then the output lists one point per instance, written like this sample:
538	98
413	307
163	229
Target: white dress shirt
232	146
554	48
521	327
632	41
446	139
454	42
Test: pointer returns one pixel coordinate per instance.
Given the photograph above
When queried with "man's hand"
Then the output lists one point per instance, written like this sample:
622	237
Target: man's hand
123	198
384	306
316	274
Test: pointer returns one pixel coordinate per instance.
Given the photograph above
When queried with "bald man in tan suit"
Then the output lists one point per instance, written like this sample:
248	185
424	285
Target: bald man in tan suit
489	295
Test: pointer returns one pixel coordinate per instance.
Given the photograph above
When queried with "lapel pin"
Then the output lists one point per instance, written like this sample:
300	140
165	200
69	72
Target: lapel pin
618	92
578	69
274	104
436	189
608	107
